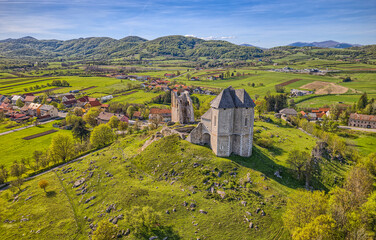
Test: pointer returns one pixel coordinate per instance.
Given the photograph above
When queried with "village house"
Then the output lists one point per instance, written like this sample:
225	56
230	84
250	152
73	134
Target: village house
48	110
198	90
15	98
34	109
162	115
104	117
19	117
68	97
287	113
91	104
137	115
195	79
170	75
104	107
106	98
362	120
70	103
2	98
299	93
30	99
5	107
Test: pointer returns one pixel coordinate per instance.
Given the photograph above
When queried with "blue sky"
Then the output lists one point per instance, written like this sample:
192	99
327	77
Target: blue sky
264	23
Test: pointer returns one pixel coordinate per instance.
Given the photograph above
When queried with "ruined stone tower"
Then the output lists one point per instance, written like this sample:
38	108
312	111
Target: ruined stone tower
228	125
181	108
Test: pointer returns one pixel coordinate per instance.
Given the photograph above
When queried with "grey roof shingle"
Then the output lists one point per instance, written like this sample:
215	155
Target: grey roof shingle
231	98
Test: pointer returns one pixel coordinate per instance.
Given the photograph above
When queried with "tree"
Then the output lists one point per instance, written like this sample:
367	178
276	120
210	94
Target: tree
80	130
303	207
91	115
17	169
142	220
362	102
72	119
19	103
3	174
114	122
62	147
122	126
43	184
105	231
17	183
37	155
78	111
296	160
130	111
101	135
322	227
61	106
188	76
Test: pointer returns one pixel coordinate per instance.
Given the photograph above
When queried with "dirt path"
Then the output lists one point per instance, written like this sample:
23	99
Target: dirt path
358	129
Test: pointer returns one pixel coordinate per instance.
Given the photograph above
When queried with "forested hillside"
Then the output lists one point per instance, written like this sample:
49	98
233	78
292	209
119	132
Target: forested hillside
174	46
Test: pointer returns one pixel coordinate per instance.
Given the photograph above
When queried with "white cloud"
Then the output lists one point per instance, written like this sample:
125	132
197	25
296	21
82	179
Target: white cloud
218	38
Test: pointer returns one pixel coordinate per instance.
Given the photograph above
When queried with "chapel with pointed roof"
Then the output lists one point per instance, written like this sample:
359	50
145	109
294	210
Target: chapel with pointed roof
228	125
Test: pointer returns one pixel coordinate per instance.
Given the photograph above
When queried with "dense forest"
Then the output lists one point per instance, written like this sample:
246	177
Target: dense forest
168	46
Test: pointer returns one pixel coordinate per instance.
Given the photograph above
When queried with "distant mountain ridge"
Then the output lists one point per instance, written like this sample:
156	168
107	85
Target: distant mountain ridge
175	46
105	47
324	44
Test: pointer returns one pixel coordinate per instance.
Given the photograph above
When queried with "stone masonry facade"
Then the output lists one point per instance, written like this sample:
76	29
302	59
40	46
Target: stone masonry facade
228	125
181	108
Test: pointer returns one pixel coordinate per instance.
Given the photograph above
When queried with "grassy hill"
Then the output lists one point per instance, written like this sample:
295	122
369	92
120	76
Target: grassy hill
233	192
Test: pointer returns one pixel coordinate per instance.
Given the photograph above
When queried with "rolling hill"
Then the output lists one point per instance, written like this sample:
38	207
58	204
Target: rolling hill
324	44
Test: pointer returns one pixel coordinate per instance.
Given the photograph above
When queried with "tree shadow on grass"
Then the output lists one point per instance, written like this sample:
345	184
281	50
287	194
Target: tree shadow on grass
259	161
161	232
51	194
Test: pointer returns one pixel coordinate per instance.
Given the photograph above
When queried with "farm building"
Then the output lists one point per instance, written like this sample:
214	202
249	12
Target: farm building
163	115
288	112
104	117
48	110
361	120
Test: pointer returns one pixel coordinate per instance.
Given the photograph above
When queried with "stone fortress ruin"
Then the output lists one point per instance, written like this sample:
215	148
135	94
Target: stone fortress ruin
182	108
227	127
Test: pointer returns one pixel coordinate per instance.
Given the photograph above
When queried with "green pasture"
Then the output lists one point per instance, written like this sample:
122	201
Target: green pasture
14	148
138	97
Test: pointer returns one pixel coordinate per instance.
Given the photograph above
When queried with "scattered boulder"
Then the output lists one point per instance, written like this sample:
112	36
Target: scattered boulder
258	210
251	225
203	212
221	193
79	182
244	203
89	199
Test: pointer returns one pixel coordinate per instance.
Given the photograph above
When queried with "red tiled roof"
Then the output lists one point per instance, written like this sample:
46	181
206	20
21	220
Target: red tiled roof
30	98
137	114
70	102
315	111
160	111
363	117
319	115
69	96
303	113
95	103
83	99
105	105
324	109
